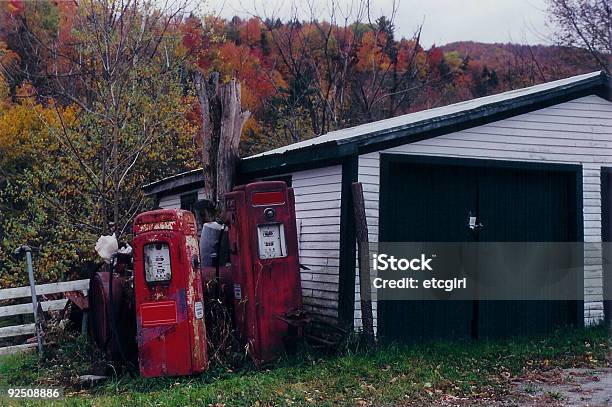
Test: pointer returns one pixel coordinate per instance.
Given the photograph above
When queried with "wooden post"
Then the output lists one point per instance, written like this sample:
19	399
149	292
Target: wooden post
365	292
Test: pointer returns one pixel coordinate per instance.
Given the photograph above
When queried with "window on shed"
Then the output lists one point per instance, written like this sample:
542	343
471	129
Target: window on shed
188	201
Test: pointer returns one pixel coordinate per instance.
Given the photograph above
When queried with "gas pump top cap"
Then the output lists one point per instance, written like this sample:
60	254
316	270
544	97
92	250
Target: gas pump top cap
165	219
261	186
266	193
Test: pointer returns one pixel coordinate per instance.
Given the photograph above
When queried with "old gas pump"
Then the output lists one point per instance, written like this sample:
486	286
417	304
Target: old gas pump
171	334
265	271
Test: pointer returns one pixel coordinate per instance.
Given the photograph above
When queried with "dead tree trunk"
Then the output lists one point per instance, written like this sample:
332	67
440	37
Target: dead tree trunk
222	123
365	291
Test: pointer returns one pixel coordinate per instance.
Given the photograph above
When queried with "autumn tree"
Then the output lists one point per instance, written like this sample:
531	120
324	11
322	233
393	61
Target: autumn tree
387	74
36	203
119	64
316	59
586	24
347	70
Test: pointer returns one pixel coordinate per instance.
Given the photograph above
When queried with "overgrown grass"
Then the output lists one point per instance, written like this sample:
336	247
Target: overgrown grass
393	374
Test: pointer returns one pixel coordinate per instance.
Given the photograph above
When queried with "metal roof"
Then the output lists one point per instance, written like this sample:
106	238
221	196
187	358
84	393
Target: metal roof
176	181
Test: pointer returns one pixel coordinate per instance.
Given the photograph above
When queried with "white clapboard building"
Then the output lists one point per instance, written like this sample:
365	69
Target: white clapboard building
533	160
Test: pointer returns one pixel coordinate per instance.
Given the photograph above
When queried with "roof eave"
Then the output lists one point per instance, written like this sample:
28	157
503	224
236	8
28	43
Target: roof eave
327	153
179	181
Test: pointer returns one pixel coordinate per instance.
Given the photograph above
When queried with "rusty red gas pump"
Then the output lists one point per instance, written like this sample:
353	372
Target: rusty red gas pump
171	333
265	271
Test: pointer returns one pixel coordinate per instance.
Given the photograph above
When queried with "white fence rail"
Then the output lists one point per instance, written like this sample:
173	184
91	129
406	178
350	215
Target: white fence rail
21	309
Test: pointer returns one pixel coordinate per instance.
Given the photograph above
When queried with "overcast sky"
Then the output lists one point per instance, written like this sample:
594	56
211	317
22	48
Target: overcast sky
444	21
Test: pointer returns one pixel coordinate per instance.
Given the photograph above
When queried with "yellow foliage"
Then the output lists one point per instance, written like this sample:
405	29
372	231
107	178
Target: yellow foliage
28	129
4	91
250	127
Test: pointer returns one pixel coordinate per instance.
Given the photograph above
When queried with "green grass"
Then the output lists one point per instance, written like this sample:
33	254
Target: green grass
394	374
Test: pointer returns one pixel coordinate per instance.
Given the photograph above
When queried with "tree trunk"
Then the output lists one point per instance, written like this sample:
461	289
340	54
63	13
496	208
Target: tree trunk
365	292
232	122
222	123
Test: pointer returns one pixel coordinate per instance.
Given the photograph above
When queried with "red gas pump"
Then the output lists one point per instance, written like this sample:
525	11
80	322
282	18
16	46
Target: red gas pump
265	271
171	334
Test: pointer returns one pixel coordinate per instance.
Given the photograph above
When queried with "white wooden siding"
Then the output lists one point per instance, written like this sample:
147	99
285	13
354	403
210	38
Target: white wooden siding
317	208
174	201
170	202
575	132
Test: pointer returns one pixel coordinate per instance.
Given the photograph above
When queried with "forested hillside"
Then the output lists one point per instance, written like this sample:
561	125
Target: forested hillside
522	65
96	99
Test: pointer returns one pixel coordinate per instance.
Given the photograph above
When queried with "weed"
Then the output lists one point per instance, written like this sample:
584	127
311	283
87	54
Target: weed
530	389
555	395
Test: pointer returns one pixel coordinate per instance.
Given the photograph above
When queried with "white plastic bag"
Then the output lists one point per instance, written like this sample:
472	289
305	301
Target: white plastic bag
106	246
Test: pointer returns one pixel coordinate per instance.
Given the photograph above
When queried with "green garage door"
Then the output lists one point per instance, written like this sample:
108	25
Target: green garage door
431	200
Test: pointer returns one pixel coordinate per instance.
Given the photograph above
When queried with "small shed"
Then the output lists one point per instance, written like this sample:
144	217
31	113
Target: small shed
537	156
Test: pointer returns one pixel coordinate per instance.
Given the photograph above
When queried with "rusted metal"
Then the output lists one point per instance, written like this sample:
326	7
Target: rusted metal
322	334
117	341
78	298
171	333
265	271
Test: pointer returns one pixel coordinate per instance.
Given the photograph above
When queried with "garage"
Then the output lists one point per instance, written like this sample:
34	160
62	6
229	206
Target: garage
428	199
531	164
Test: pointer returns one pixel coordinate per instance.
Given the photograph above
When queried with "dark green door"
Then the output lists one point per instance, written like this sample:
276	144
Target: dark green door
432	202
526	205
426	204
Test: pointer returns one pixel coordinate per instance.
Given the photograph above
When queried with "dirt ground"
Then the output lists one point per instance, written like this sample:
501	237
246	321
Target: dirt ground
550	388
564	387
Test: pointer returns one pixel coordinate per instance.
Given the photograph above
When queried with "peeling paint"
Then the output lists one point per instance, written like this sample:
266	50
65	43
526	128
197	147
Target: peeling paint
174	348
269	286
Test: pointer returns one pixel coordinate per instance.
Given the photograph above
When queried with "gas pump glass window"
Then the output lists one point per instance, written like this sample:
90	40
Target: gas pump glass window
271	238
157	262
